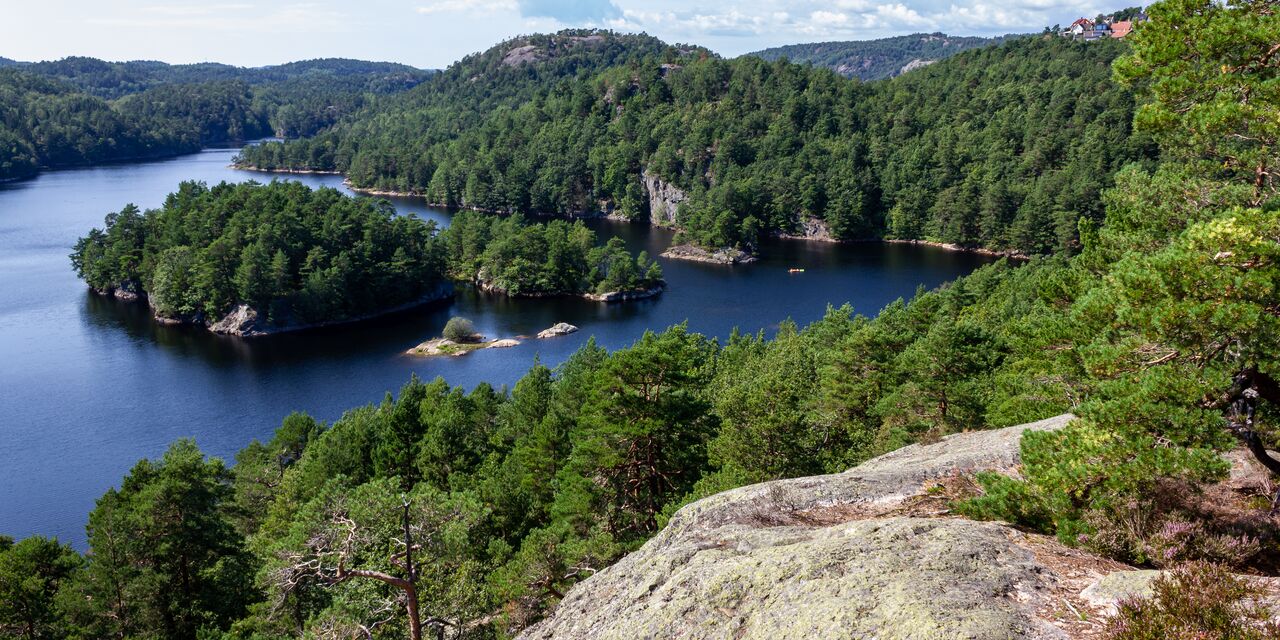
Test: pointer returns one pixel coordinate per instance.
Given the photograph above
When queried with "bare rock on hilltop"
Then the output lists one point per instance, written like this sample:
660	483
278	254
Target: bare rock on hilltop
839	556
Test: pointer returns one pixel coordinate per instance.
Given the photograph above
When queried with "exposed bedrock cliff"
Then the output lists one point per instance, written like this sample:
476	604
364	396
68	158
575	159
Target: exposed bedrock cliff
664	199
849	555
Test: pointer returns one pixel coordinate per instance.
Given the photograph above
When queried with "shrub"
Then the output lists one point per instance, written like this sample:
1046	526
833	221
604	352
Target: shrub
460	330
1141	535
1196	601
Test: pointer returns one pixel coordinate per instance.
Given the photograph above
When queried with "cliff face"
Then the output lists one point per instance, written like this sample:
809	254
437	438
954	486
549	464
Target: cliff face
867	553
664	199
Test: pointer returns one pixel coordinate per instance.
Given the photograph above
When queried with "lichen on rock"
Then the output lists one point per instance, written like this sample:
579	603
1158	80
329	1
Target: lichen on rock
763	562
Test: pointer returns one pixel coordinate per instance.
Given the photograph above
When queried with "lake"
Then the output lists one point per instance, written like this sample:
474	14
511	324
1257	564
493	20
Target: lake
89	385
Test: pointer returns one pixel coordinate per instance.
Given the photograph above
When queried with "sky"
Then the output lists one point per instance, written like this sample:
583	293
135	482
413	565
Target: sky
435	33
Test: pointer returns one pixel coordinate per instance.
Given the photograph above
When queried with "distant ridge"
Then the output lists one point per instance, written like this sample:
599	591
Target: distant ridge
111	80
878	59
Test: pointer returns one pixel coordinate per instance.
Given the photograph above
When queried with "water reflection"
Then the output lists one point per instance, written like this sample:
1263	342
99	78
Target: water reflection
90	384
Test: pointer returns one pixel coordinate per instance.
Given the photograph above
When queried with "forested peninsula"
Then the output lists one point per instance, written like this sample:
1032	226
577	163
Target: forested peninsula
81	111
252	259
1003	148
508	255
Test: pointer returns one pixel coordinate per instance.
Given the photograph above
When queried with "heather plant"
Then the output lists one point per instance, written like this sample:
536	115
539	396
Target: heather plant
1196	601
1144	532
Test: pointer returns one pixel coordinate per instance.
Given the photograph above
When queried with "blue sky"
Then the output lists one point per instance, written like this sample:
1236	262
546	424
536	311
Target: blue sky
434	33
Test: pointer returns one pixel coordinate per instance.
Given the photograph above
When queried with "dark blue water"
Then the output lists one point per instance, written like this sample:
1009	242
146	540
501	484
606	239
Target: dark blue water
89	385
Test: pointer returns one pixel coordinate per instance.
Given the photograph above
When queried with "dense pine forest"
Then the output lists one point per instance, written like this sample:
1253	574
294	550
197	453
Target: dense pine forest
293	257
112	80
1003	148
80	111
469	514
509	255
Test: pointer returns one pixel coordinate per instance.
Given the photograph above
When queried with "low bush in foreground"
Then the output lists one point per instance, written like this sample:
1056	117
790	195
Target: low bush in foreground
1196	601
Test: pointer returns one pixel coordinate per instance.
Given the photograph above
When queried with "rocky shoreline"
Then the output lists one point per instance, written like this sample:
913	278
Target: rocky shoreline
608	296
948	246
623	296
318	172
695	253
665	198
453	348
243	320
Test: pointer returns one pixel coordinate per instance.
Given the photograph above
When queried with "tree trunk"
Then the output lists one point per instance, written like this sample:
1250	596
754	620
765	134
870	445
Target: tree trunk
411	606
1251	386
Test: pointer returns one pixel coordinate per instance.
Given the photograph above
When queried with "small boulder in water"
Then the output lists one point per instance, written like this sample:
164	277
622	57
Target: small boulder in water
556	330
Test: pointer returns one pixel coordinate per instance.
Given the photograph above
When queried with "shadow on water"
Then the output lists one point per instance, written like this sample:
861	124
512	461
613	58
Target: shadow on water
393	330
497	316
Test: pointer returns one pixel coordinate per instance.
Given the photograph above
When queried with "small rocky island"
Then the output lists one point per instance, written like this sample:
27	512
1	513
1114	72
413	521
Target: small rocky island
253	259
556	330
460	338
723	255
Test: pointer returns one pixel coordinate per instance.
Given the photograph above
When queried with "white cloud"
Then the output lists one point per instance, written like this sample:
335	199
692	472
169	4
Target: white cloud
898	14
758	23
475	7
293	17
195	10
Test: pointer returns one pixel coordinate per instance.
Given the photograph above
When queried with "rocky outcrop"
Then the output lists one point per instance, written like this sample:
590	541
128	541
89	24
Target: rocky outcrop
447	347
242	321
608	296
1011	254
556	330
1110	589
522	54
916	63
664	199
850	555
623	296
246	322
695	253
811	229
534	53
130	291
869	488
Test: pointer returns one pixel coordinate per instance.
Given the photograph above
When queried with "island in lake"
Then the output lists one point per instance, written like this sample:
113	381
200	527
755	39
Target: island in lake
253	259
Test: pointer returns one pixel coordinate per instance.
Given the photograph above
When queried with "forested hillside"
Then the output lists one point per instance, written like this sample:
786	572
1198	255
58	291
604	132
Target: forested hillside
82	111
1004	148
44	123
111	80
877	59
470	514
